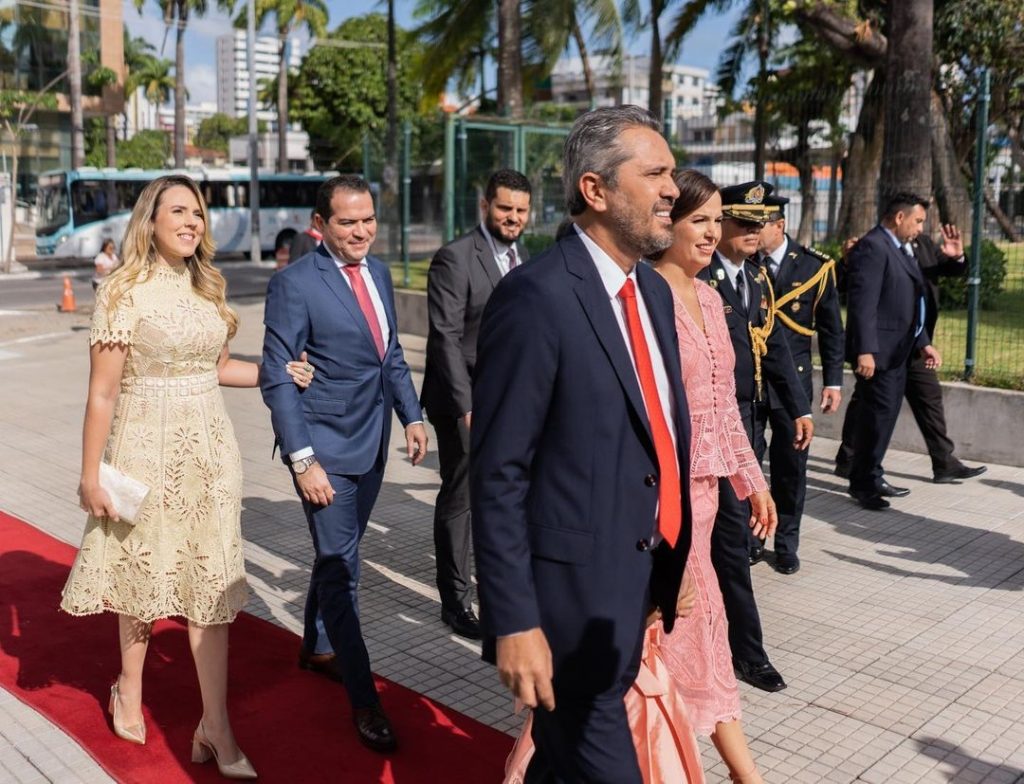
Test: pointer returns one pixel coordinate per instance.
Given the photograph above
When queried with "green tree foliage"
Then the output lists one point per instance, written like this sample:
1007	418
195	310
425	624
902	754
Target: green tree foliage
953	290
340	93
214	132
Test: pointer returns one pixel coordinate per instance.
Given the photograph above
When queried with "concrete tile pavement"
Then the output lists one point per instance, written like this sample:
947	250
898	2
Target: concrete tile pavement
902	638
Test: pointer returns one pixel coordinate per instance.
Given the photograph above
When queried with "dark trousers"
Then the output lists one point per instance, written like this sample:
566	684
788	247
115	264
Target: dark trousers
924	395
788	480
730	555
583	741
878	408
451	513
336	531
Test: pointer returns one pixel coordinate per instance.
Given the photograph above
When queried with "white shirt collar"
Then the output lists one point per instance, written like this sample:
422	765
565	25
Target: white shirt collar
892	237
343	262
498	248
778	254
731	269
612	276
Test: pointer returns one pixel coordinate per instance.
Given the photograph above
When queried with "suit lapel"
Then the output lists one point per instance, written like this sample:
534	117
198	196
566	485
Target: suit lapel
485	257
594	299
332	278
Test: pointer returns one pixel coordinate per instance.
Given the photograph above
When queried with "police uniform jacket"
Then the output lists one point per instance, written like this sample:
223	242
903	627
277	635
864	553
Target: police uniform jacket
777	365
816	309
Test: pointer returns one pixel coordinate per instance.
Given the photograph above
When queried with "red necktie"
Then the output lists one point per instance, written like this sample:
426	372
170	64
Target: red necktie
355	277
670	504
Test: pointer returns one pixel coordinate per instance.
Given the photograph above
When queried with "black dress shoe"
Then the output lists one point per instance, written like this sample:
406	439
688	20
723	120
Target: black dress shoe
463	622
843	470
886	490
869	500
756	554
374	729
325	664
787	564
761	676
963	472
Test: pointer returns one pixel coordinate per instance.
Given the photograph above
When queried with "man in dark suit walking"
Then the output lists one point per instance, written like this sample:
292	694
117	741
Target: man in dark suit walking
580	472
762	354
923	391
805	302
337	305
886	327
461	278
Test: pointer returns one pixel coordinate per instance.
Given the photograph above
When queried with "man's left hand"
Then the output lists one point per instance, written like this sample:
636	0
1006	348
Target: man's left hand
804	427
932	357
830	400
416	441
952	241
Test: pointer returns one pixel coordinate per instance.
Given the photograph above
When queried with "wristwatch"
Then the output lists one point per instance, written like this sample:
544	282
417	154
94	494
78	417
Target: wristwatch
301	465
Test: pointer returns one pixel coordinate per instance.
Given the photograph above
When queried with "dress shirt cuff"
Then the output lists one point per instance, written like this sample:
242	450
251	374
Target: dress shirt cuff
417	422
805	416
299	454
830	386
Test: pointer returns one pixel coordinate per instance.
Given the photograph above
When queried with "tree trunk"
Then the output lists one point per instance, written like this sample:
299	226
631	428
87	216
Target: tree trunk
179	85
951	195
15	142
111	141
760	130
510	60
805	168
282	107
654	76
390	175
833	187
75	86
588	73
906	154
859	211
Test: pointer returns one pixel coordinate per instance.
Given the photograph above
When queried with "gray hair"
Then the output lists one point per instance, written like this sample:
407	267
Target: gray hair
593	146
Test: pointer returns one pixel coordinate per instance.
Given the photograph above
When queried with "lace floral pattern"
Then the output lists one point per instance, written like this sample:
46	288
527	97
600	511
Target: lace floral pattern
170	430
697	651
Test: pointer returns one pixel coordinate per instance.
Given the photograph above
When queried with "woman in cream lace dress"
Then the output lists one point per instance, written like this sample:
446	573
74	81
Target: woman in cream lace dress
697	653
158	352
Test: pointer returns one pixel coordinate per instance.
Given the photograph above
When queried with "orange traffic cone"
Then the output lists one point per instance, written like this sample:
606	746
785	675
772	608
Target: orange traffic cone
67	303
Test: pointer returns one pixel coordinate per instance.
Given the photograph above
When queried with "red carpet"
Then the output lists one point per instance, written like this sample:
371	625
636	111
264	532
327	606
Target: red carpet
293	725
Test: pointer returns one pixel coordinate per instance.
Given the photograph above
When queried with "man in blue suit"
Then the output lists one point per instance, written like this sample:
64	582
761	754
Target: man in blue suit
337	305
579	475
885	328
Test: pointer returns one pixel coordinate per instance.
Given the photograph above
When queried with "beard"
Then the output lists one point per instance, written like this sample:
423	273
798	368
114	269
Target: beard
633	225
505	234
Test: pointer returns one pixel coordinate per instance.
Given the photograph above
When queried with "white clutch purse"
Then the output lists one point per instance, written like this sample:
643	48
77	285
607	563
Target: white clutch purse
125	493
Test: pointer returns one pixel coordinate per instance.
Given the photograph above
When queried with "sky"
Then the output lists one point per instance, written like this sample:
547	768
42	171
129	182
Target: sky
701	48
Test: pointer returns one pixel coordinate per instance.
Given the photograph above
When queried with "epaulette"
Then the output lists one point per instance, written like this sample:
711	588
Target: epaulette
822	257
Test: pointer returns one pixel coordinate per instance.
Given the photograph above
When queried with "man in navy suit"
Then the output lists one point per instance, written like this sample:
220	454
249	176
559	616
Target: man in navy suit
337	305
579	480
885	328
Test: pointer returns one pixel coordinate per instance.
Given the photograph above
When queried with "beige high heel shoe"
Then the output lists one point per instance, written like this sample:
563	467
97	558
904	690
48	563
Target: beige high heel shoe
203	751
133	734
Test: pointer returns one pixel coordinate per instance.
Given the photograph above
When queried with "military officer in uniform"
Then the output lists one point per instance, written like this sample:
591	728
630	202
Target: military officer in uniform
762	354
805	302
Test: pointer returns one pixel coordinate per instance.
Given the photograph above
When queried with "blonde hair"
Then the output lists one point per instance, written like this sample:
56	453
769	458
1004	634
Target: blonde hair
138	253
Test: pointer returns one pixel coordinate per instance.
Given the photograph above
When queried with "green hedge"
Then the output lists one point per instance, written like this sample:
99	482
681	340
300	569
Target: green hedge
953	291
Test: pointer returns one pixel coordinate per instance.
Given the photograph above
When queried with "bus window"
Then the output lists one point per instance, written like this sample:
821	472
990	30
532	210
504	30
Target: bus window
127	192
51	205
89	202
241	195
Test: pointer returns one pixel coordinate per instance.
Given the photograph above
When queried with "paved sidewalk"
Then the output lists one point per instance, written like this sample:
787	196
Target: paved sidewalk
902	638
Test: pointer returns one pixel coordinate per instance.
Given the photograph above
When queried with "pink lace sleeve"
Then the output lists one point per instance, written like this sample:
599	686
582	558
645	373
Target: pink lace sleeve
748	478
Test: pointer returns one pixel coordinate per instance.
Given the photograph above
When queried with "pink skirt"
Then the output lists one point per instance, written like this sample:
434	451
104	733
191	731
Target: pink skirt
666	746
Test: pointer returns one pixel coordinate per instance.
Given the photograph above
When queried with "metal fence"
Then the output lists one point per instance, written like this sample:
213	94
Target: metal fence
828	168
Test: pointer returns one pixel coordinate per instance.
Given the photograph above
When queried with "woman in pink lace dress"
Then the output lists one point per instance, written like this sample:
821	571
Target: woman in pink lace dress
696	653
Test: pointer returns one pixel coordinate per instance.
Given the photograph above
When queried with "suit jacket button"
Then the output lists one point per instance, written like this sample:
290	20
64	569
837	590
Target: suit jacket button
643	545
800	368
650	480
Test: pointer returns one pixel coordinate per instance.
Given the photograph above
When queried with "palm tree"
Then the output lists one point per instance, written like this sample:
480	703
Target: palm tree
457	35
289	17
635	19
138	57
553	25
177	12
156	81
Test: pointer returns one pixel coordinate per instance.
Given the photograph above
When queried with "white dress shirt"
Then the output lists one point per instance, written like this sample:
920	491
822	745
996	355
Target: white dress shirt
731	272
501	251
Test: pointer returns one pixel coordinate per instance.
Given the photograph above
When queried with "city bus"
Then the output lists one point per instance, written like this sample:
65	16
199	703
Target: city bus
77	210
